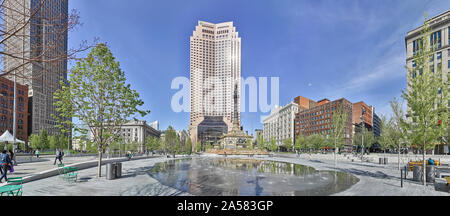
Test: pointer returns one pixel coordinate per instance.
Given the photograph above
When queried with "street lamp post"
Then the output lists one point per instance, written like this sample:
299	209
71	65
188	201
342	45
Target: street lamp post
14	114
362	132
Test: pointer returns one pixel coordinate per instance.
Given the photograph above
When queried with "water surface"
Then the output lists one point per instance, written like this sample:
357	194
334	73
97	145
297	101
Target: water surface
249	177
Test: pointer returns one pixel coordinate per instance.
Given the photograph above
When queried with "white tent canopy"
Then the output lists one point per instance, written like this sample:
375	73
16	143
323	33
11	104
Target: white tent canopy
8	137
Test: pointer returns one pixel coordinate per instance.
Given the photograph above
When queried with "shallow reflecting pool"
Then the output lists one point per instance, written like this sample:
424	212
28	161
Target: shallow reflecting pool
249	177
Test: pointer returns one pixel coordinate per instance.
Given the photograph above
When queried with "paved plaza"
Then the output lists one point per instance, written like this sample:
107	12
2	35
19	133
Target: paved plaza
375	179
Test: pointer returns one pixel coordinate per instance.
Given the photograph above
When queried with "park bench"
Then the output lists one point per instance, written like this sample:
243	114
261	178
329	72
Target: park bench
61	170
70	174
12	189
447	179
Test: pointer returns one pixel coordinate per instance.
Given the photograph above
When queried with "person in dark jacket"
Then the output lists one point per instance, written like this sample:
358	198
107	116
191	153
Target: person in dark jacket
5	163
13	157
58	156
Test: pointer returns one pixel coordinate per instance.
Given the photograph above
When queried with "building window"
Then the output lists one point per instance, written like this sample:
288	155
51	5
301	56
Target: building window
439	55
416	46
435	39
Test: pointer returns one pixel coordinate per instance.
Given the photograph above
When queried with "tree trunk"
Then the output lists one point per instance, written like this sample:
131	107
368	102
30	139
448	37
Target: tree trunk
398	160
100	154
335	152
424	163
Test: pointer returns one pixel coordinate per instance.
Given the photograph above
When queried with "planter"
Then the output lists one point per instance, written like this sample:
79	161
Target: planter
417	173
430	173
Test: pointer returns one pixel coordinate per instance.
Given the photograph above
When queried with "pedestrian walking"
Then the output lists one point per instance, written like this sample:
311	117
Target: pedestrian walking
13	157
37	153
61	155
129	155
5	165
58	156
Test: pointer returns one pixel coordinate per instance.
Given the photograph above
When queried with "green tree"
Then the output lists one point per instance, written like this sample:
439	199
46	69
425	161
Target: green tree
53	142
299	142
178	147
114	146
117	145
133	146
337	126
399	126
426	96
91	146
369	139
153	143
98	96
388	137
316	141
287	143
273	144
198	147
170	140
188	148
35	141
208	146
260	142
44	139
249	144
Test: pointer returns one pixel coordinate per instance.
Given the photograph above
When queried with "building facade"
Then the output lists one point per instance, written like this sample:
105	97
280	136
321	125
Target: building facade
304	103
317	120
280	123
138	131
367	117
7	105
376	124
258	132
155	125
43	39
215	69
131	132
440	38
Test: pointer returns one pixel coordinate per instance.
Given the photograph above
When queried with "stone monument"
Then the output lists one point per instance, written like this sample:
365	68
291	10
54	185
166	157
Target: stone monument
236	138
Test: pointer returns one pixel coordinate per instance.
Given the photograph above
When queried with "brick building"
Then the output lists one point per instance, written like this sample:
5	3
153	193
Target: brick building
317	118
368	115
7	108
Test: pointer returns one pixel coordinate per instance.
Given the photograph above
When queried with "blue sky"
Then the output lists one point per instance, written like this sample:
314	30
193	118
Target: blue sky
318	49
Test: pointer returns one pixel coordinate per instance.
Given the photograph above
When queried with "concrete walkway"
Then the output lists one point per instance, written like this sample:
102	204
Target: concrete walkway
31	166
375	179
135	181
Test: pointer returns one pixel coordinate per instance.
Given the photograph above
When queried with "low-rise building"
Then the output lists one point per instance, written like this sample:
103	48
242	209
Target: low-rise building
280	123
136	131
7	108
318	118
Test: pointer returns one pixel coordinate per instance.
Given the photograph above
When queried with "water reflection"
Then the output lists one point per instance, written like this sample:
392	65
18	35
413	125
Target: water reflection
248	177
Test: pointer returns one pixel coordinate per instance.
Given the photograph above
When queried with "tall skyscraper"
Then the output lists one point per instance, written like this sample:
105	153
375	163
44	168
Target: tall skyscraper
44	40
215	69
